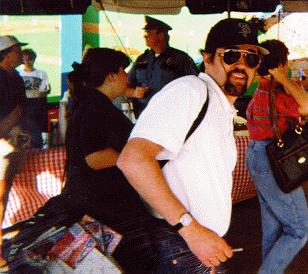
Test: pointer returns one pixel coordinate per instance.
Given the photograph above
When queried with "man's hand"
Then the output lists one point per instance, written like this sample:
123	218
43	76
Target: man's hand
137	92
138	163
205	244
279	73
293	88
9	121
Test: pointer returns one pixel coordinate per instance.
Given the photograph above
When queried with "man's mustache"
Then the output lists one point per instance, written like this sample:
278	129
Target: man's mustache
237	70
230	88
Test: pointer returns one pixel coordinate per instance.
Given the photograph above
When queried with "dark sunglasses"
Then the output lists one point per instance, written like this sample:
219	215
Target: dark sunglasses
232	56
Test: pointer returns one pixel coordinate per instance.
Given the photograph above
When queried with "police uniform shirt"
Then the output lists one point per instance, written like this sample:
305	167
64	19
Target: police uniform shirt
155	72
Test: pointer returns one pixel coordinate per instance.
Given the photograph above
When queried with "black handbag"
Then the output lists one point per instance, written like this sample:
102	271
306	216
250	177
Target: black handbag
288	153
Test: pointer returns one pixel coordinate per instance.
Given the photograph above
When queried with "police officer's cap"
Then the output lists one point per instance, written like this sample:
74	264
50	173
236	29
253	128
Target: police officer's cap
152	23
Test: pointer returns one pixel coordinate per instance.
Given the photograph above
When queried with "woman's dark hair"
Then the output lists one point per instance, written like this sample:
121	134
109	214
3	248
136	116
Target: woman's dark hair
97	63
278	56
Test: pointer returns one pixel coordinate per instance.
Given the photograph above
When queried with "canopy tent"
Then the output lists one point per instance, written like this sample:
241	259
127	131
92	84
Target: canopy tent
174	6
46	7
140	6
293	31
43	7
197	6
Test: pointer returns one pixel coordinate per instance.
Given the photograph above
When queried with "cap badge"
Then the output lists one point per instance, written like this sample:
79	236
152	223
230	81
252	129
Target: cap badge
245	29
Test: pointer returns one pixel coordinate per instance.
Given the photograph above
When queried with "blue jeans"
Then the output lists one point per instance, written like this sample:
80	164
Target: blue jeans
173	254
284	215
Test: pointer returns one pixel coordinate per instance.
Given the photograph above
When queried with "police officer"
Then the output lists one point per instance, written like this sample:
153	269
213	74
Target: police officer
159	64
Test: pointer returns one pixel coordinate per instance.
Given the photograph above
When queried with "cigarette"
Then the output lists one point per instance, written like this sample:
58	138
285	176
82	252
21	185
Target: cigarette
237	249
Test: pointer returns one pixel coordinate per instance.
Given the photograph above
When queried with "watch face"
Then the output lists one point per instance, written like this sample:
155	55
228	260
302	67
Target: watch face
186	219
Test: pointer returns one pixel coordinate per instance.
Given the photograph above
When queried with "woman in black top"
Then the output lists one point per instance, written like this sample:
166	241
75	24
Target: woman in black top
97	132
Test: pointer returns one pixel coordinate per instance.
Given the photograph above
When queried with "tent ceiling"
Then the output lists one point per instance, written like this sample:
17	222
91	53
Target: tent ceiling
141	6
295	6
48	7
36	7
198	6
219	6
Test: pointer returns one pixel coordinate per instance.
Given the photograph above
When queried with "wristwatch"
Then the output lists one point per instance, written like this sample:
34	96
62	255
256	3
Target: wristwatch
185	220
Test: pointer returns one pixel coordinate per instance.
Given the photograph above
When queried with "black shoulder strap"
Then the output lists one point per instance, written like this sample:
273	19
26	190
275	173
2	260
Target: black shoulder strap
200	117
194	126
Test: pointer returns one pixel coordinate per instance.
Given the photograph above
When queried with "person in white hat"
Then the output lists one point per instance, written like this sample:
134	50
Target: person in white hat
12	101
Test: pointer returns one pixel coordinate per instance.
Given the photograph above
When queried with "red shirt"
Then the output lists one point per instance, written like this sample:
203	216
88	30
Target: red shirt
257	113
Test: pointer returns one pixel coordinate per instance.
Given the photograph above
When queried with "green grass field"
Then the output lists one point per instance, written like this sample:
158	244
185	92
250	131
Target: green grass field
43	35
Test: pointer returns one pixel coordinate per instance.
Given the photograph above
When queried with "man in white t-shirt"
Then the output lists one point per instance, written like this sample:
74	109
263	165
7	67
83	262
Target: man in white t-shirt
193	190
37	88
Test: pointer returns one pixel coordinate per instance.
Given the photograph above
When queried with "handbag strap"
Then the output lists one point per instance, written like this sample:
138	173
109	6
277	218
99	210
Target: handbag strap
273	116
273	110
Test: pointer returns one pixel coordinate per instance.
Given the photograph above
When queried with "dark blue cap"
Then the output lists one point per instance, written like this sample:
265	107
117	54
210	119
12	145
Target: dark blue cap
152	23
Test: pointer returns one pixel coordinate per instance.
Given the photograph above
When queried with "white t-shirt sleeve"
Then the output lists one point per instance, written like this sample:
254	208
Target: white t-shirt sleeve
44	85
170	114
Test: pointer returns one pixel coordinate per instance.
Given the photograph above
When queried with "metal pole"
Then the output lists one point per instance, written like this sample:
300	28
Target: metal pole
229	8
278	27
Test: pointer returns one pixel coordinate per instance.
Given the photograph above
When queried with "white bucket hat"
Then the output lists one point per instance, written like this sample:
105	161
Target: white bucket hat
8	41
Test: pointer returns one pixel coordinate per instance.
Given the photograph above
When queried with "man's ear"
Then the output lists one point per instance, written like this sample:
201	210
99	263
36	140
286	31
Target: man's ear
161	35
207	57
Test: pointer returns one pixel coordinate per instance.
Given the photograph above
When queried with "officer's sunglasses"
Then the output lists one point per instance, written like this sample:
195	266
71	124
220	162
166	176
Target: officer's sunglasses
232	56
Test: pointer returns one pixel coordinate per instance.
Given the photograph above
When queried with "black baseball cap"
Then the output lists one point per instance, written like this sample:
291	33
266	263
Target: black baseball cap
230	32
152	23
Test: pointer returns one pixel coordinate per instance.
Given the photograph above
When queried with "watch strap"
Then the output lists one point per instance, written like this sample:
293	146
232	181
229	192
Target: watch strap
177	227
185	220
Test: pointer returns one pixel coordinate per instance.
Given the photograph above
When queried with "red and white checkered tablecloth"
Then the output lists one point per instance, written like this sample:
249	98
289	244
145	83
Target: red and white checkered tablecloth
41	179
43	172
243	186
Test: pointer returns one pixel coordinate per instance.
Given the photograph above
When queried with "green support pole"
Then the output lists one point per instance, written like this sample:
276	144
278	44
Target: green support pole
90	28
